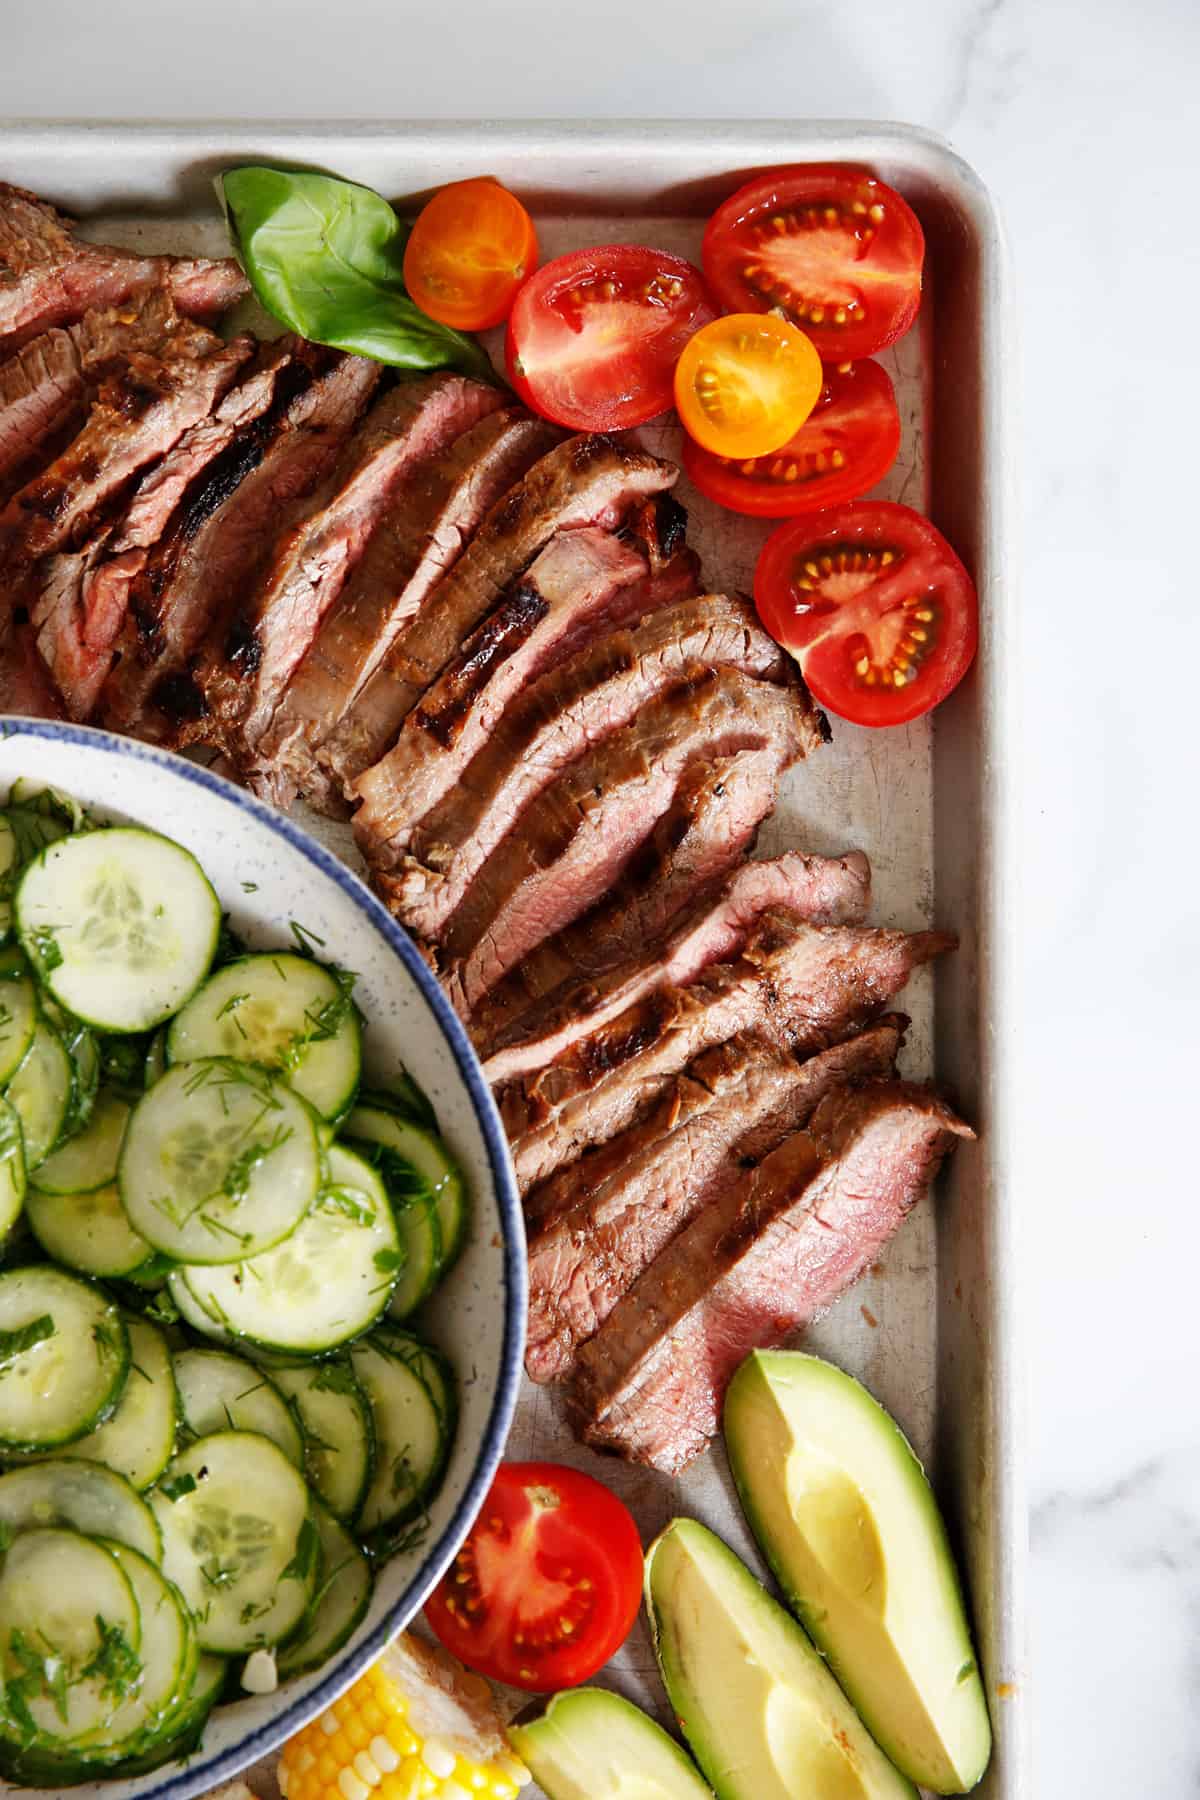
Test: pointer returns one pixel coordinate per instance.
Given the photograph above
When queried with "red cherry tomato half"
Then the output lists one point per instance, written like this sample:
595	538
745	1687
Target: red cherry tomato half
848	443
594	337
548	1583
838	252
874	605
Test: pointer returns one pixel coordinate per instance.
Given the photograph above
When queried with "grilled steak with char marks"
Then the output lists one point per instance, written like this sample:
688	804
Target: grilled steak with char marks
571	986
597	1225
800	986
585	481
765	1260
417	542
41	406
48	277
575	839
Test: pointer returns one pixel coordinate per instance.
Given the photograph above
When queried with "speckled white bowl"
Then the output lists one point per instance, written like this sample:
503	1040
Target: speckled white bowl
268	872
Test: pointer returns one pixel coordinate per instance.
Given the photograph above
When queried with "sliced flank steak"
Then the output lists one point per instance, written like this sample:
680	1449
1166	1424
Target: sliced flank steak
585	481
243	678
802	987
222	532
572	842
597	1225
83	595
769	1257
172	374
571	986
25	685
419	539
49	277
41	406
557	719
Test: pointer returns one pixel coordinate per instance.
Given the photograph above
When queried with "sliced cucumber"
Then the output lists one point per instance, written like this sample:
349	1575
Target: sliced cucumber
238	1539
33	830
406	1098
89	1159
48	803
79	1042
420	1234
64	1357
435	1371
428	1156
168	1654
326	1283
193	1314
121	926
40	1093
12	1168
85	1496
219	1392
339	1437
155	1065
10	862
220	1161
284	1012
341	1599
185	1724
410	1440
18	1012
71	1632
89	1232
139	1440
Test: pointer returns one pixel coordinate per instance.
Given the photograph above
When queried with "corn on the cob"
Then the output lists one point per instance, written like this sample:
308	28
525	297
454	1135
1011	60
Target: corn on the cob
415	1726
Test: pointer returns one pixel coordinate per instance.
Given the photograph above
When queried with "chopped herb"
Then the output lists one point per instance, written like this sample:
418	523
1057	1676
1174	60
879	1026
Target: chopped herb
46	948
249	887
335	1378
105	1341
305	938
176	1486
162	1309
24	1338
389	1262
308	1551
351	1203
116	1662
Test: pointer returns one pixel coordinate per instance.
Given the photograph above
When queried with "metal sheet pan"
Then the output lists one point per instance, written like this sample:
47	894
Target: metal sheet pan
935	1330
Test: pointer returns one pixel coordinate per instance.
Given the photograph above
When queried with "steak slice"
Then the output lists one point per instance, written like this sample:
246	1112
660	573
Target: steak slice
41	406
25	685
581	582
551	724
84	594
171	374
243	678
771	1255
598	1224
417	542
575	839
802	987
223	530
589	480
571	985
48	277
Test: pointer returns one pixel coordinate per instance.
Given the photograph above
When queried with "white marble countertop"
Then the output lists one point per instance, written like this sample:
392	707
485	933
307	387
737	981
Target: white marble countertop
1080	114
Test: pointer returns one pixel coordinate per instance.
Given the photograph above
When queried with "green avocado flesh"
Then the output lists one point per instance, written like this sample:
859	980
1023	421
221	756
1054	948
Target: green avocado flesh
849	1524
763	1715
593	1745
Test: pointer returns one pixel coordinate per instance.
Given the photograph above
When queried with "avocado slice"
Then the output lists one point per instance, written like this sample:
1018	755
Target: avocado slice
593	1745
848	1522
763	1715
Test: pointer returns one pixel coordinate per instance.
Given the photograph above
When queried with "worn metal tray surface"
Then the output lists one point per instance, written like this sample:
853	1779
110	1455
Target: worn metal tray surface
934	1328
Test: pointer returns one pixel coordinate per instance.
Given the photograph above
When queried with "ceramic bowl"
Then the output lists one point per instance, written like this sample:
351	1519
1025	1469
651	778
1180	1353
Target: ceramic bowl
269	873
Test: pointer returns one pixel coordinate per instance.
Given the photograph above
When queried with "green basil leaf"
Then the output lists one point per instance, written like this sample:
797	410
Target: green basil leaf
327	258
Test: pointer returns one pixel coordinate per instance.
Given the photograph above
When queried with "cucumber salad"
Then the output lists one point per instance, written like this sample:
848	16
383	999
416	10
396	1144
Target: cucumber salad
216	1416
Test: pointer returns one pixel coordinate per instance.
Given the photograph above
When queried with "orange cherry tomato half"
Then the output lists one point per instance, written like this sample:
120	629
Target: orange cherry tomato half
874	605
746	383
548	1584
469	251
848	443
836	250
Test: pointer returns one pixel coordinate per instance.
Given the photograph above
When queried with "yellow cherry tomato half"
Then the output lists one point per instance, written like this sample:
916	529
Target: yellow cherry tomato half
745	384
470	249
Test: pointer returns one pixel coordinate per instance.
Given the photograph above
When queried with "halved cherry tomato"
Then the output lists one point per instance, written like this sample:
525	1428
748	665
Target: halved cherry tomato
594	336
848	443
548	1583
836	250
470	249
744	385
874	605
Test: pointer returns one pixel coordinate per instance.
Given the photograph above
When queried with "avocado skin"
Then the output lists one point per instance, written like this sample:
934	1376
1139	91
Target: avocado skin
754	1466
832	1749
593	1729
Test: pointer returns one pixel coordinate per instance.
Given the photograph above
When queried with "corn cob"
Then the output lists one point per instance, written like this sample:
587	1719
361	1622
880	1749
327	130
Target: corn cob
416	1725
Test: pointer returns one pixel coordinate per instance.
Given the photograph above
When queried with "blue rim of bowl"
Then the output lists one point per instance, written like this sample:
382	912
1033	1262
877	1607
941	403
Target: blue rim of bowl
198	1773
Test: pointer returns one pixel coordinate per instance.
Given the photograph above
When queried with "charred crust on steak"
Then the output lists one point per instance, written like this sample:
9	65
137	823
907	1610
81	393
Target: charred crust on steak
501	633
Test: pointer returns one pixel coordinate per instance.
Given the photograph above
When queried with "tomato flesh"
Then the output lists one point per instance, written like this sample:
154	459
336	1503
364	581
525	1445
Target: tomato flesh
469	251
836	250
874	605
548	1583
848	443
594	337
